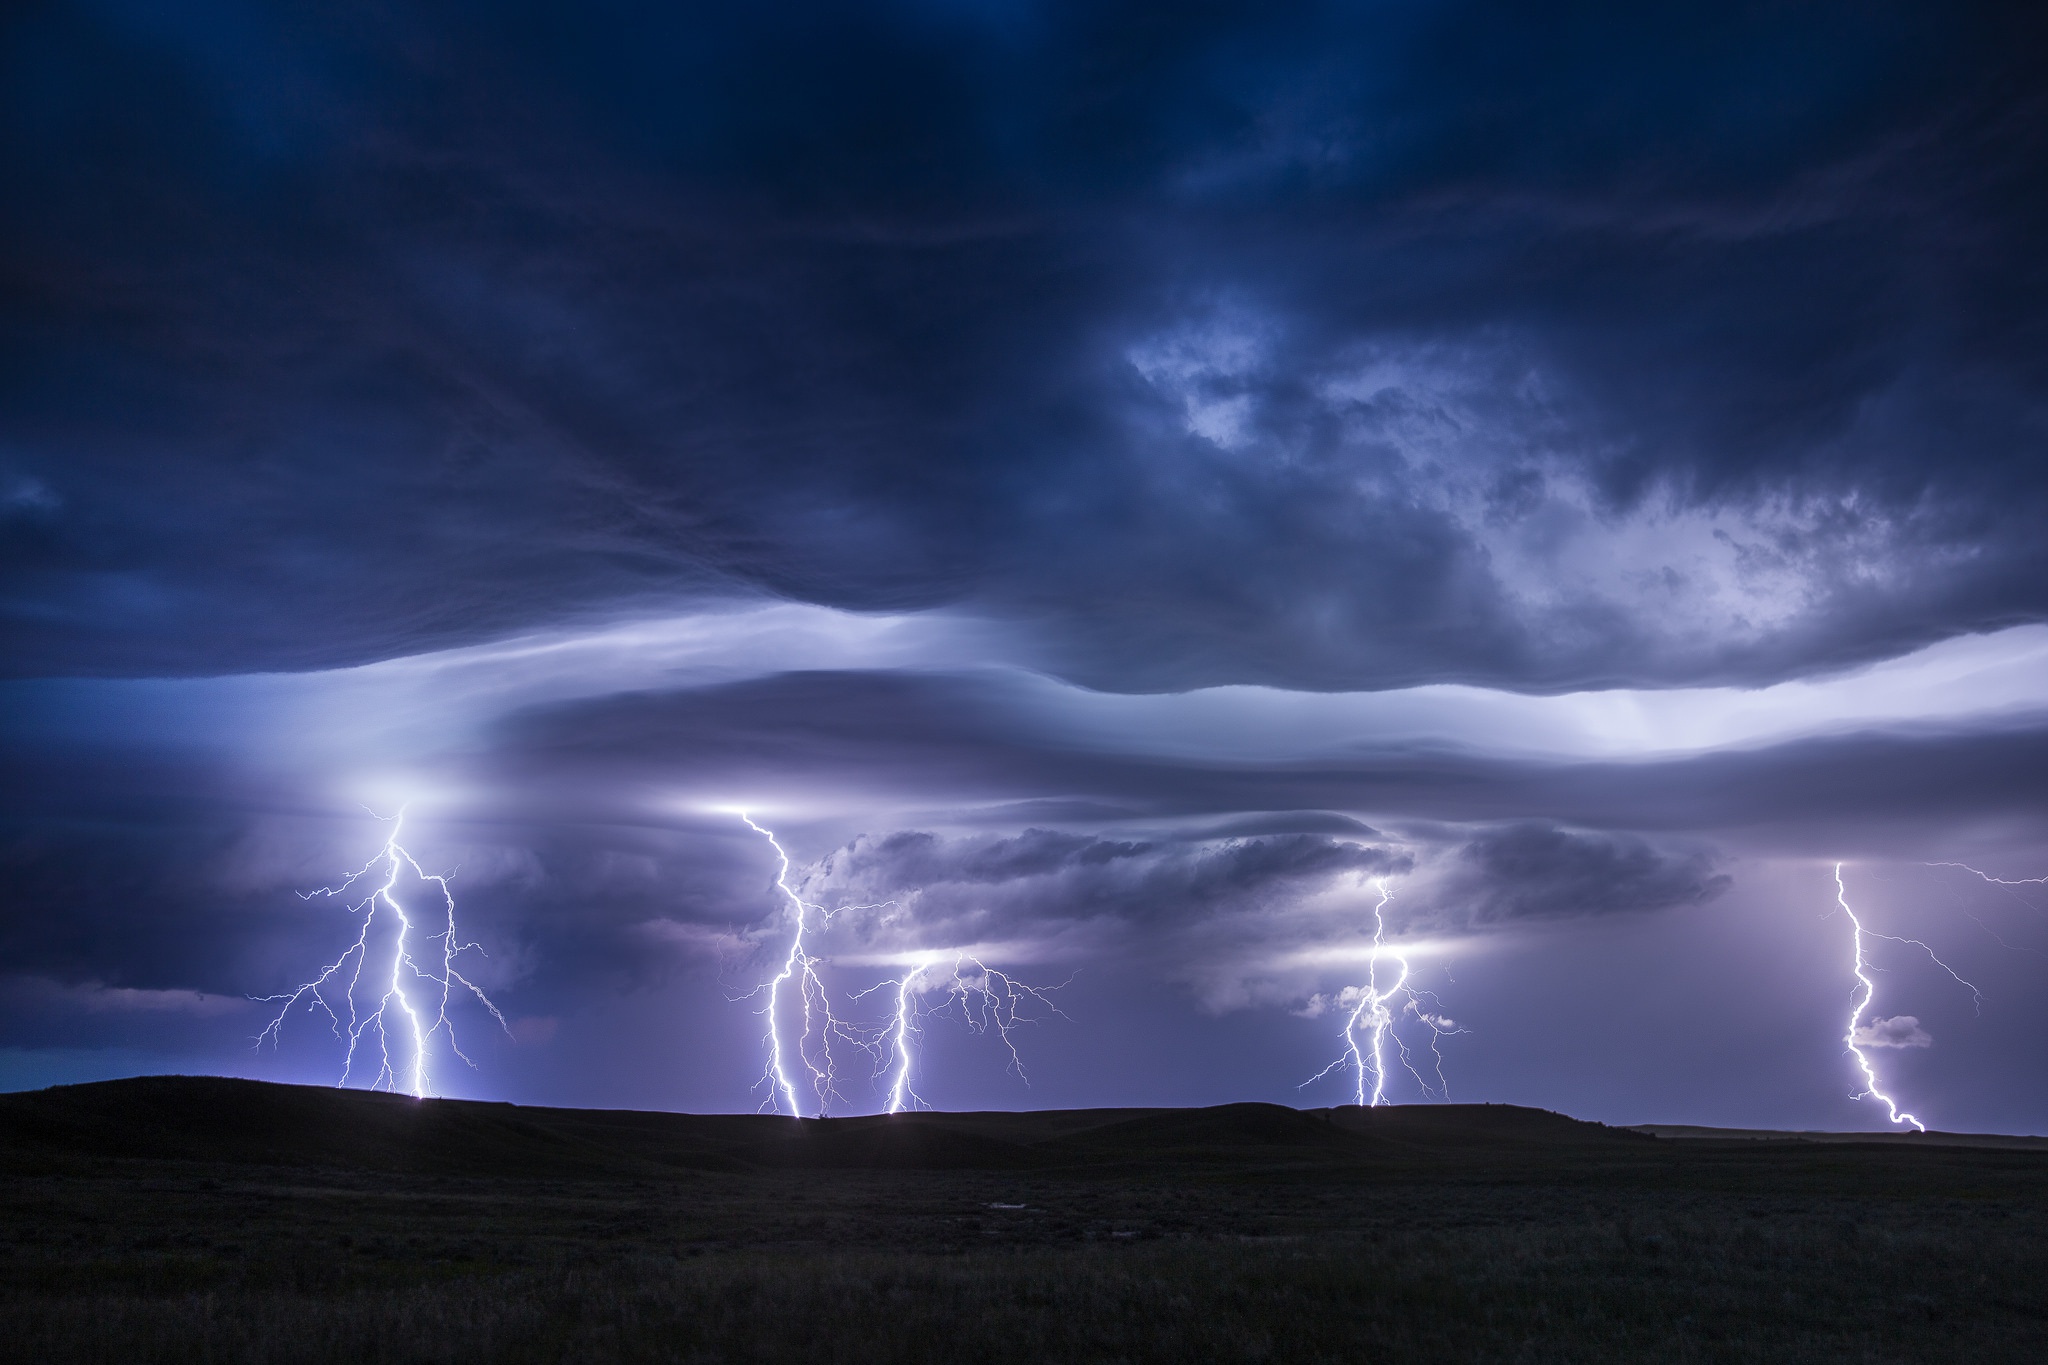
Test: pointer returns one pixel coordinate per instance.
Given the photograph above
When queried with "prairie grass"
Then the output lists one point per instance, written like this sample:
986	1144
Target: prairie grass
141	1263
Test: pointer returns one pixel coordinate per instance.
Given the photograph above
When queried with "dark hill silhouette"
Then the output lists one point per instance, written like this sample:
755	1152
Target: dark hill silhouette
214	1119
902	1142
1222	1131
1439	1126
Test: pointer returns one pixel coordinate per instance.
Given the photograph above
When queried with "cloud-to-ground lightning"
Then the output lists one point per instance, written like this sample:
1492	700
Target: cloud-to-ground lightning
1858	1035
1853	1036
989	1001
800	966
395	1008
900	1093
1371	1023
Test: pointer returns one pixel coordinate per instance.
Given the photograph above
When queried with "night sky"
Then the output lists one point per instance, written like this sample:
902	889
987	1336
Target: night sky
1117	489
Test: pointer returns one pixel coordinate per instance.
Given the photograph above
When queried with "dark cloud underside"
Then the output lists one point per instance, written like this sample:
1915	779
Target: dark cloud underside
1290	344
905	738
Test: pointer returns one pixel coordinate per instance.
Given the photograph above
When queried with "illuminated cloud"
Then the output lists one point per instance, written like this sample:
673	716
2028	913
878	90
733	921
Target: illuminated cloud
1106	482
1900	1031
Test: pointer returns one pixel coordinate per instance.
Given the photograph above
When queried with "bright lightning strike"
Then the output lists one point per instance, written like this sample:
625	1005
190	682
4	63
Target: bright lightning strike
988	1000
1854	1035
1860	1036
799	966
391	1008
900	1092
800	969
1370	1026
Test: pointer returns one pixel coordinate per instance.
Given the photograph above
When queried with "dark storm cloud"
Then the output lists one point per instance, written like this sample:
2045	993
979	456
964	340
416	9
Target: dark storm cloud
1327	346
966	889
899	740
1535	871
1318	345
147	873
140	873
902	731
1284	822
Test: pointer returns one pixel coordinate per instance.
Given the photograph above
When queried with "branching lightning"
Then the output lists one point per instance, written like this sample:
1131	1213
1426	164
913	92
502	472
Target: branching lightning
1370	1026
417	1022
1861	967
1996	881
1856	1038
988	1001
900	1093
801	968
2007	884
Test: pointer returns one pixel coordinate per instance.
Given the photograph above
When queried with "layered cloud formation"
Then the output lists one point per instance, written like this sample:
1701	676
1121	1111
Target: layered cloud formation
1315	346
1111	484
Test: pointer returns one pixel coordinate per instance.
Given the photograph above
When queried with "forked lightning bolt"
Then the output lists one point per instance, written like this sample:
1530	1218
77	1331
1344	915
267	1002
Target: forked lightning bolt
801	968
898	1038
1370	1026
989	1001
395	1009
1860	964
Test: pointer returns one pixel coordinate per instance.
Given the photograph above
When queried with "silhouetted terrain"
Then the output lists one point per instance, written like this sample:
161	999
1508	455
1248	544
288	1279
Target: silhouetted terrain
204	1219
200	1118
1905	1137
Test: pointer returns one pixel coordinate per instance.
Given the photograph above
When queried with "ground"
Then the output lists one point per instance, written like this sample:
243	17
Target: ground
196	1220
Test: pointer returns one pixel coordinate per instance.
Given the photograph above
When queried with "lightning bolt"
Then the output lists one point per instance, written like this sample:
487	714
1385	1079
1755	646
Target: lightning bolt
900	1092
988	1001
896	1035
2008	884
1371	1024
395	1009
1995	881
800	967
1861	967
991	1000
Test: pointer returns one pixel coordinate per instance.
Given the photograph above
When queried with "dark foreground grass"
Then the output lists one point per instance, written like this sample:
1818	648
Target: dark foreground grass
1699	1261
1534	1296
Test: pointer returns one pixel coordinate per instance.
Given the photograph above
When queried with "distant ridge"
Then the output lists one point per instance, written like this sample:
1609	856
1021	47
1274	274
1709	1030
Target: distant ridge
217	1119
1689	1132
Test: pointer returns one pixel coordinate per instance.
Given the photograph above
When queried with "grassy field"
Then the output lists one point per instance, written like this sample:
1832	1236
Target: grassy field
1244	1234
